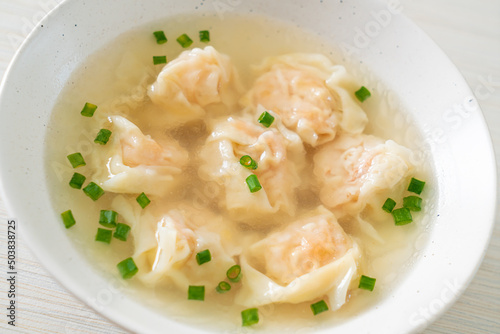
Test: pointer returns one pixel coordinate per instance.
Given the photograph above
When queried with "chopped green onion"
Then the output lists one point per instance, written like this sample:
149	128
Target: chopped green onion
68	219
204	36
122	231
76	160
143	200
253	183
319	307
367	283
107	218
250	316
416	186
159	60
414	203
203	257
362	94
102	137
389	205
266	119
402	216
127	268
184	40
196	292
160	37
93	191
223	287
234	273
103	235
88	110
248	162
77	181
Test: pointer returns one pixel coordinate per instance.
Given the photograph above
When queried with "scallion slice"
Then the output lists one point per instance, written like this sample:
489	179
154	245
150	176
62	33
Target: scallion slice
143	200
253	183
389	205
184	40
402	216
122	231
68	219
107	218
203	257
250	316
413	203
103	235
88	110
416	186
234	273
319	307
362	94
204	36
159	60
93	191
160	37
223	287
77	181
102	137
248	162
367	283
196	292
266	119
76	160
127	268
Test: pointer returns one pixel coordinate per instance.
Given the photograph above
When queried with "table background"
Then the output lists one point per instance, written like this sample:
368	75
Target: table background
467	30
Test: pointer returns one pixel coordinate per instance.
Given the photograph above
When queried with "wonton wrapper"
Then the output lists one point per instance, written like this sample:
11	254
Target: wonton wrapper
280	156
132	162
310	258
195	80
313	97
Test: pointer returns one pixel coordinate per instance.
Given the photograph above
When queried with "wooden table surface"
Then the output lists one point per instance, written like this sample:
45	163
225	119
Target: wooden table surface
467	30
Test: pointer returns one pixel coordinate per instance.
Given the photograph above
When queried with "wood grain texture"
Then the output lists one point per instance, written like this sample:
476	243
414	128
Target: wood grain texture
467	30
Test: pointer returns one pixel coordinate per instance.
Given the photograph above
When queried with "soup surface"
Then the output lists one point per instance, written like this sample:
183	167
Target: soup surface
301	213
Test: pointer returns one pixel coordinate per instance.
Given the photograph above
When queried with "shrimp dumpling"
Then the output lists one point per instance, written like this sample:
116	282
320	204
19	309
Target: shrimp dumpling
192	83
132	162
310	94
310	258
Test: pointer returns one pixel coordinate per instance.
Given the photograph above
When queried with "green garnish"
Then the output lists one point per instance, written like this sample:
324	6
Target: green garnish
248	162
266	119
160	37
127	268
68	219
76	160
253	183
102	137
367	283
416	186
107	218
250	316
223	287
88	110
93	191
143	200
184	40
103	235
203	257
234	273
413	203
204	36
196	292
159	60
402	216
319	307
122	231
362	94
77	181
389	205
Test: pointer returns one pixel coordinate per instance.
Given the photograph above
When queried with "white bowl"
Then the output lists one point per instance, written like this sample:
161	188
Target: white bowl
408	64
